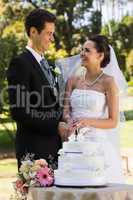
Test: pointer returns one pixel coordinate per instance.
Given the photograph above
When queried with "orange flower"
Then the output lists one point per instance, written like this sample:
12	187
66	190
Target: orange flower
41	162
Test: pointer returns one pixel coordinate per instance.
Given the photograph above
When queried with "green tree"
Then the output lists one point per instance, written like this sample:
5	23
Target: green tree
9	48
70	15
121	39
130	63
95	22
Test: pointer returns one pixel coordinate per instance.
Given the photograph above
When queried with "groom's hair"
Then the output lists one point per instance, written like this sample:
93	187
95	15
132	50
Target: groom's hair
37	18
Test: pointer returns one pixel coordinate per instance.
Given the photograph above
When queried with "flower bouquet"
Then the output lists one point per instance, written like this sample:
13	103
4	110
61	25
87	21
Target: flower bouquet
32	173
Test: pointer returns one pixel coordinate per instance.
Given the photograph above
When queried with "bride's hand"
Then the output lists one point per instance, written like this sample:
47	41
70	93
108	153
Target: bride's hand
63	130
80	123
71	127
66	129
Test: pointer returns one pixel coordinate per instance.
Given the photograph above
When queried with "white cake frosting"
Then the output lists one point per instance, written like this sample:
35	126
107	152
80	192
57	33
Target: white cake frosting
81	163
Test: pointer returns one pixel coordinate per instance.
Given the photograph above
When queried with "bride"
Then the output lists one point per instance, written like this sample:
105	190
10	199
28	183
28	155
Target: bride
91	103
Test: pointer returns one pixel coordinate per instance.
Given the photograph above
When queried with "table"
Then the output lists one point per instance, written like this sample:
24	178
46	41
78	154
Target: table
110	192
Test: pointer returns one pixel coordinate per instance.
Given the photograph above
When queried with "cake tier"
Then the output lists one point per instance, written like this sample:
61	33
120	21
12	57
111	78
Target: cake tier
80	161
79	178
87	147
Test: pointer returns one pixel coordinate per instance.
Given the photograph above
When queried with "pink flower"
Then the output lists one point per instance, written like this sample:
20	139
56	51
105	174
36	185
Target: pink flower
44	176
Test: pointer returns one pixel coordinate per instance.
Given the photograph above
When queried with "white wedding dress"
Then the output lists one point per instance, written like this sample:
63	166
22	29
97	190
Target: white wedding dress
92	104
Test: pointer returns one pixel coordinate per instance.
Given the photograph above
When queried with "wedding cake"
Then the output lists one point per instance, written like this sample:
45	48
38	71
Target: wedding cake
81	163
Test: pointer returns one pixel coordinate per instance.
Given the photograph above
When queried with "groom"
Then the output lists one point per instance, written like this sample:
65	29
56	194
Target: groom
33	91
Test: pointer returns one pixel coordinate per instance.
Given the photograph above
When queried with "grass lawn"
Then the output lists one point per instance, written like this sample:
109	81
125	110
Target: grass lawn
8	166
6	142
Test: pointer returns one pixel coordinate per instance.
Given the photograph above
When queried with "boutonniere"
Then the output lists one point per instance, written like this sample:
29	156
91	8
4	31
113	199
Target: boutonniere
57	71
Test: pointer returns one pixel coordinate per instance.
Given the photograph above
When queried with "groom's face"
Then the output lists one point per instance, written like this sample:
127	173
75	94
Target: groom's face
43	39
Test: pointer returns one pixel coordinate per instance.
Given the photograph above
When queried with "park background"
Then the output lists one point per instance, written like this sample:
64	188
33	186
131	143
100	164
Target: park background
76	20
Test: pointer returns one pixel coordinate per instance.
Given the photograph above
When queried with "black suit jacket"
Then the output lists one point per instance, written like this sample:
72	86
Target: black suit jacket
34	107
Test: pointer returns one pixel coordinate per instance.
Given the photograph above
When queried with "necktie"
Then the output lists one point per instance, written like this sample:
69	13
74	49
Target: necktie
47	70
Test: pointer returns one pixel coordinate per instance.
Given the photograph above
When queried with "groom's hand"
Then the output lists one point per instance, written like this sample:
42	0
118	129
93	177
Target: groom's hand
72	127
63	130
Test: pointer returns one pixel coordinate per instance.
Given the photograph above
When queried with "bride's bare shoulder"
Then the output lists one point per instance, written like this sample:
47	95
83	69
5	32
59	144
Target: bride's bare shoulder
108	79
109	82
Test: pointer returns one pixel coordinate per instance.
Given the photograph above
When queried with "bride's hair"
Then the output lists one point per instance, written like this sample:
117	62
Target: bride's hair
102	45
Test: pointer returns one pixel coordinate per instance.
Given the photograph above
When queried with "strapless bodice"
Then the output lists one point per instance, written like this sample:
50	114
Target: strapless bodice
87	104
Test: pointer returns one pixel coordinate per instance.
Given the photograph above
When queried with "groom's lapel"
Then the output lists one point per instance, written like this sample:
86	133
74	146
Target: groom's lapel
39	69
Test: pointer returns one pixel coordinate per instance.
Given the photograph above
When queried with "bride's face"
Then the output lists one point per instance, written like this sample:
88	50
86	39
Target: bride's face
89	55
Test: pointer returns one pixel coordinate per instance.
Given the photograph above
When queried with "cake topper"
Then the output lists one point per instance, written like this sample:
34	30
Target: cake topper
76	135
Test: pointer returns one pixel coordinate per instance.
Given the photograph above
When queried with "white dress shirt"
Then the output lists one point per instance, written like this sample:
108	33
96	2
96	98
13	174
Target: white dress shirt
36	55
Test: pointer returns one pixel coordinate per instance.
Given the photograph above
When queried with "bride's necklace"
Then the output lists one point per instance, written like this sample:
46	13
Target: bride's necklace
91	83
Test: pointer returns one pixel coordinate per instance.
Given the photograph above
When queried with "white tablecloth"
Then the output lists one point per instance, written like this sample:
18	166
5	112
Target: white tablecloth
110	192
